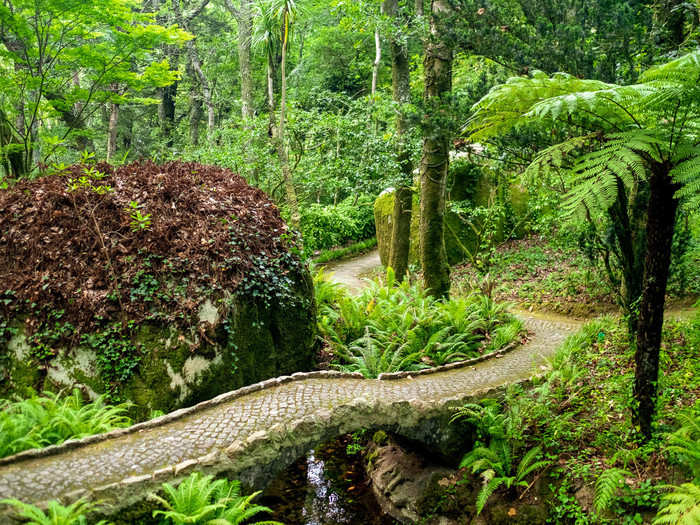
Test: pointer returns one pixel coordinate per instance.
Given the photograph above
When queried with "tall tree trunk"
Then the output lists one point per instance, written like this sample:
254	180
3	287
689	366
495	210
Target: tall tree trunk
167	104
204	84
661	219
290	190
245	32
377	57
436	153
112	131
195	109
403	197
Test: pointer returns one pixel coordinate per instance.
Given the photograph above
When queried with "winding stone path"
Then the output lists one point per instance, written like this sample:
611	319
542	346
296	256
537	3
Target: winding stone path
256	431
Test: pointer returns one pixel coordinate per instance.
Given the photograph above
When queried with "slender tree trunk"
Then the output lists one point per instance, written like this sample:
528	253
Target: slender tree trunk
403	197
272	131
419	8
112	131
204	84
377	57
245	32
290	190
661	219
435	161
167	104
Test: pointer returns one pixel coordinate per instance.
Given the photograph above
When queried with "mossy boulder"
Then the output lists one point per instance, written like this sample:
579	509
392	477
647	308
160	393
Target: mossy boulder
458	235
467	183
204	296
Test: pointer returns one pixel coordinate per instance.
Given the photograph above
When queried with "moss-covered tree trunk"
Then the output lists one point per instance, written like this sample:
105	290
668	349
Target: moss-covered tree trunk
403	201
290	190
661	219
436	152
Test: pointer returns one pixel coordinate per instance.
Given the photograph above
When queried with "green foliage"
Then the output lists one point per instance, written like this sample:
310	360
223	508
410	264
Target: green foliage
49	419
495	465
348	251
684	443
391	327
56	514
681	506
139	221
63	58
202	500
325	227
118	357
607	486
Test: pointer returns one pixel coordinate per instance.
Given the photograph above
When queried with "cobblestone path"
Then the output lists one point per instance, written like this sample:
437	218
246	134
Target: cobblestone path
158	450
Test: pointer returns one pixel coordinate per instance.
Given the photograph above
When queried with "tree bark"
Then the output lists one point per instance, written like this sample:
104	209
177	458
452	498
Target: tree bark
661	218
244	19
403	197
290	190
206	90
377	58
112	131
435	160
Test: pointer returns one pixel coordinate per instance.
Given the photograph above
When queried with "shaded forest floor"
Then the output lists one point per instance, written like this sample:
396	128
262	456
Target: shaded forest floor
539	275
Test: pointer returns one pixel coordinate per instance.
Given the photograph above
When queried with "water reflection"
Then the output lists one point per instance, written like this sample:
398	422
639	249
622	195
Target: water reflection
327	487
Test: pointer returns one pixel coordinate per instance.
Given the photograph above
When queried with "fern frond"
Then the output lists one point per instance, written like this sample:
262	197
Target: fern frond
607	486
486	491
680	507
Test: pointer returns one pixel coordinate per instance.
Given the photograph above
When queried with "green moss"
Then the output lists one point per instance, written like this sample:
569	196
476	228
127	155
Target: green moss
380	437
255	341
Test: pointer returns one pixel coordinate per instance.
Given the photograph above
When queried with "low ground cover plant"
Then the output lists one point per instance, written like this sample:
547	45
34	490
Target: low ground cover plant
197	500
573	429
50	419
391	327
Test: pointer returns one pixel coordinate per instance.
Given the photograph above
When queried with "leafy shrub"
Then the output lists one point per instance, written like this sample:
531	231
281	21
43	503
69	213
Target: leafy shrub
325	227
202	500
389	328
49	420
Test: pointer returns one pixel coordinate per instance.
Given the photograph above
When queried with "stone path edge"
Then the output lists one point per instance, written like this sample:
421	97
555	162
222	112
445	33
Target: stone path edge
235	394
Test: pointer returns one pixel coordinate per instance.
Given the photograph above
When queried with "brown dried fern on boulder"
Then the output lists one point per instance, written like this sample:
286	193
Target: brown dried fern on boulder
137	242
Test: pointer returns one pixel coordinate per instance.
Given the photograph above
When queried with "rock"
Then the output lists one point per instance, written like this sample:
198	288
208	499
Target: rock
467	184
203	296
400	480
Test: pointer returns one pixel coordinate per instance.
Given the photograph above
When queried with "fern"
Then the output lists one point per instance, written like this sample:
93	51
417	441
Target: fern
56	514
680	507
607	487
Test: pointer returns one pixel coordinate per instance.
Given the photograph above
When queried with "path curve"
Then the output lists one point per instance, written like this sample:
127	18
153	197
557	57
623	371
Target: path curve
225	433
349	272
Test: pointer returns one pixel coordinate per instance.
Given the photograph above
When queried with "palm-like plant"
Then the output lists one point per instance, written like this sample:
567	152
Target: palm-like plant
370	356
685	442
56	514
623	136
202	500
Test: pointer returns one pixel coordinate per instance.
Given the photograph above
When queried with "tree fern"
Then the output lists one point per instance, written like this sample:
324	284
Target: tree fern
607	486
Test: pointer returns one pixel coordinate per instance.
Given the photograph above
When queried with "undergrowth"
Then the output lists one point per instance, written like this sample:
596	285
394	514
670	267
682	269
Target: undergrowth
392	327
579	419
50	419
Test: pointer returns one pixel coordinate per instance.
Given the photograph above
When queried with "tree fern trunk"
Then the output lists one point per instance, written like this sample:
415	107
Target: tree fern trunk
661	217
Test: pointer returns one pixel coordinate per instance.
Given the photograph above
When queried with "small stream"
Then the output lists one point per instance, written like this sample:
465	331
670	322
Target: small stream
327	487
